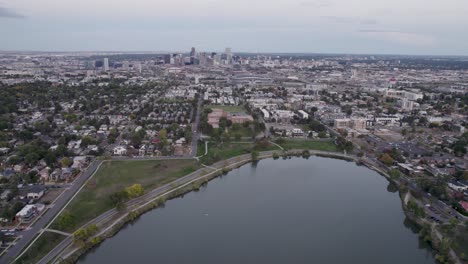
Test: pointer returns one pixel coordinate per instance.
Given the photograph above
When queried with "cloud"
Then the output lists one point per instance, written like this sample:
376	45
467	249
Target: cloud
6	12
400	37
354	20
316	3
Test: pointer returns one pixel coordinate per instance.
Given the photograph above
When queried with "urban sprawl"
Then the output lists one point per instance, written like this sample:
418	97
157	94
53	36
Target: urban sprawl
60	112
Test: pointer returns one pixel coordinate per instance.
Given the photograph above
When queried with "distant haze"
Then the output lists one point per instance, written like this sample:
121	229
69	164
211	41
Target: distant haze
432	27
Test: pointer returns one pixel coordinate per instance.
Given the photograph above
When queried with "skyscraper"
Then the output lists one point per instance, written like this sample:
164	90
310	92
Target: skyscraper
228	54
192	56
106	64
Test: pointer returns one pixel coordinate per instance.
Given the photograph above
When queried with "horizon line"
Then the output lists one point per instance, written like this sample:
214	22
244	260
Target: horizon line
238	52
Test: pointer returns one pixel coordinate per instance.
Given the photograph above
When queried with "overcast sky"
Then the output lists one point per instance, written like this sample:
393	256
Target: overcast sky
438	27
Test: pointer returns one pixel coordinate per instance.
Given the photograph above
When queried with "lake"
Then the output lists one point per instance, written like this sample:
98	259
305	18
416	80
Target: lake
316	210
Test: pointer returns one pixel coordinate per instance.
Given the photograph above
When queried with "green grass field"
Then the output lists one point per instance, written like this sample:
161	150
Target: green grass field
114	176
228	108
222	151
327	145
241	131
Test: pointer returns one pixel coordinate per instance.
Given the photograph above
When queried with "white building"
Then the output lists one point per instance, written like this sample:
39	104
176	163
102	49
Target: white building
28	212
120	151
265	113
303	114
106	64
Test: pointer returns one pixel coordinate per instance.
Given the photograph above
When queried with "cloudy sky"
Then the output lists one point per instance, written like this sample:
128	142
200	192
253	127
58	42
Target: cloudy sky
438	27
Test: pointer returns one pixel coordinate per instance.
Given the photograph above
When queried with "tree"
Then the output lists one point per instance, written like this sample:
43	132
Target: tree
50	158
80	235
61	150
118	198
395	174
65	221
32	158
65	162
404	132
392	111
86	141
344	144
322	134
254	155
163	134
386	159
134	191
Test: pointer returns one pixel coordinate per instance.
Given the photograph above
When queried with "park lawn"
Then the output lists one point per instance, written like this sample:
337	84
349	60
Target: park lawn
241	131
41	247
221	151
228	108
114	176
323	145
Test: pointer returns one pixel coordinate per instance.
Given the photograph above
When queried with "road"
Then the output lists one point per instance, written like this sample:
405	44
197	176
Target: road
195	132
28	235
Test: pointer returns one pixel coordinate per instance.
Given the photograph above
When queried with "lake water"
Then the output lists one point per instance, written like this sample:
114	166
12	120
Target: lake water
315	210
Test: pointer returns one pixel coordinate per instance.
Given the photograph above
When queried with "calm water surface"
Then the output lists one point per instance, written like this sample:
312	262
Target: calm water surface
315	210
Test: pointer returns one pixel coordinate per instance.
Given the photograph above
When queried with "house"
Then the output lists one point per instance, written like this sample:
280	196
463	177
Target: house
142	150
66	173
180	141
4	151
120	151
36	192
239	118
297	132
5	194
464	205
458	186
303	114
55	175
79	162
28	212
7	173
18	168
44	173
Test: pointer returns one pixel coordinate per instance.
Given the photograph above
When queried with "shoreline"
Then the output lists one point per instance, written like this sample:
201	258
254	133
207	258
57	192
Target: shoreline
194	185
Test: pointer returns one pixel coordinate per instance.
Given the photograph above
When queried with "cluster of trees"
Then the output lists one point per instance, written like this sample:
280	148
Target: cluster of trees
81	235
417	210
9	211
344	144
316	126
436	187
388	157
119	198
395	174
